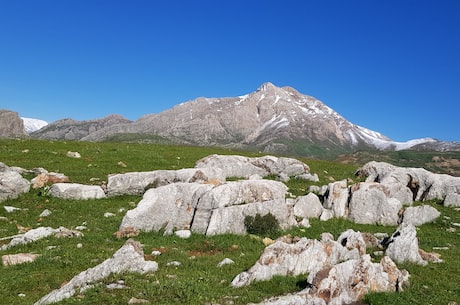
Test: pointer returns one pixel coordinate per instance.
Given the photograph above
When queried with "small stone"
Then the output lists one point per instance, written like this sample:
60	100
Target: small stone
183	233
22	295
267	241
156	253
45	213
73	154
108	214
20	258
121	164
174	263
134	300
225	261
79	245
10	209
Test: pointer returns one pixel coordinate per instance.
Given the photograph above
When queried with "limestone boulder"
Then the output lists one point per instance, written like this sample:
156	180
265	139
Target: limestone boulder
12	184
336	198
136	183
308	206
452	200
169	207
420	215
19	258
129	258
301	257
350	281
423	184
370	204
209	209
224	207
402	245
244	167
29	237
76	191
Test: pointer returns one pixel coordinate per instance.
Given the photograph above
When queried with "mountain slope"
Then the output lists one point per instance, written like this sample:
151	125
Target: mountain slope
68	129
271	118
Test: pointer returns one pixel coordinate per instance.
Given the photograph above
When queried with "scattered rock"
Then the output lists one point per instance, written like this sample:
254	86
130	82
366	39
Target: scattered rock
45	213
129	258
73	154
20	258
303	256
12	184
134	300
30	236
173	264
183	233
402	245
63	232
108	214
420	215
76	191
225	261
44	178
10	209
126	232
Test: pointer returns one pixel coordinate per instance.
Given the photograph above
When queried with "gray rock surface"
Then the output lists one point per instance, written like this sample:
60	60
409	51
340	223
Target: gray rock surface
244	167
11	125
12	184
136	183
209	209
403	245
370	204
76	191
301	257
308	206
424	185
420	215
129	258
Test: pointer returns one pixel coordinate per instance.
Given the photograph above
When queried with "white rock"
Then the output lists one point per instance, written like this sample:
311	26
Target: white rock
129	258
183	233
76	191
420	215
225	261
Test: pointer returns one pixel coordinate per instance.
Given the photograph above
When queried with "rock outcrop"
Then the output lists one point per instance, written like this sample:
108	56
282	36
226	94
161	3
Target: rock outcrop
11	125
423	184
136	183
68	129
339	272
209	209
129	258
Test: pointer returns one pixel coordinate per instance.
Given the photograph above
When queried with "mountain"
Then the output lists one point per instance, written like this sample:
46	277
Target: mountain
11	124
31	125
270	119
69	129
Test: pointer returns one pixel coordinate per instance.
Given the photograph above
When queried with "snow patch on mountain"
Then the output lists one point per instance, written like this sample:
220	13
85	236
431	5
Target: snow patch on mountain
382	142
31	125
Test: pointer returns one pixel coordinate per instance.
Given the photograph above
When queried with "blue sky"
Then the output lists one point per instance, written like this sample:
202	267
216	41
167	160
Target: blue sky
391	66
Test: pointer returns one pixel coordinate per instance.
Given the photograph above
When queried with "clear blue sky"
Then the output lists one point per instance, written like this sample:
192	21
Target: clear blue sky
391	66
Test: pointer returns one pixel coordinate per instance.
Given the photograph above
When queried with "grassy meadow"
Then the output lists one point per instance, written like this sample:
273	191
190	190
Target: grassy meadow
197	280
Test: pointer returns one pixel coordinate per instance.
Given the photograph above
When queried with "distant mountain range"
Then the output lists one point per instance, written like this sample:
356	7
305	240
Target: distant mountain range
270	119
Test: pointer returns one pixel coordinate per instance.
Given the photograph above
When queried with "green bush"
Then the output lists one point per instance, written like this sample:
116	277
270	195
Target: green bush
261	225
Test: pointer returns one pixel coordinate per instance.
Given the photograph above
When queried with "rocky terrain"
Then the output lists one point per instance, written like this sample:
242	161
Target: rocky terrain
200	200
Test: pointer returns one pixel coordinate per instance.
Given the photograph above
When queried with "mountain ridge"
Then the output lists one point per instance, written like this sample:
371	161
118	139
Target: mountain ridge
271	119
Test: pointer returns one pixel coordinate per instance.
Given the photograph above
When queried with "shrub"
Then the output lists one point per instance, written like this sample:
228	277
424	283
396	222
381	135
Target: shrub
261	225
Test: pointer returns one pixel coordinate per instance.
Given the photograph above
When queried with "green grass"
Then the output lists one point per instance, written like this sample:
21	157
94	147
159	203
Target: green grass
198	280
